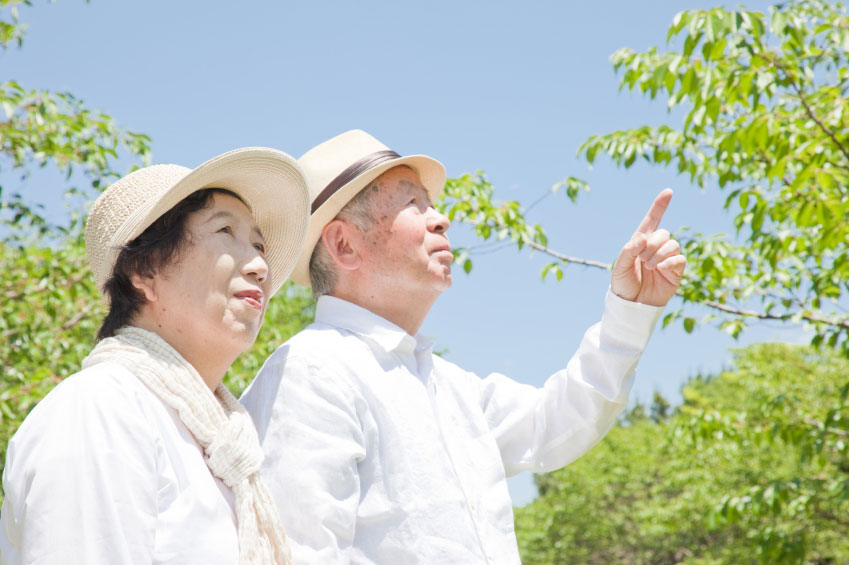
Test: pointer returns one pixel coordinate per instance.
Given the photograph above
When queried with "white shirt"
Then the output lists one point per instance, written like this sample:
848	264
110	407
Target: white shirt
378	451
102	471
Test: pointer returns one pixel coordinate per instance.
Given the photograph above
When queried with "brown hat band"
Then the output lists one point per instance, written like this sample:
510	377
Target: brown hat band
352	172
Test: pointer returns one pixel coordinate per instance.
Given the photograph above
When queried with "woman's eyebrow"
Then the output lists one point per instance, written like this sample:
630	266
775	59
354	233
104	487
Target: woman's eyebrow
221	214
224	214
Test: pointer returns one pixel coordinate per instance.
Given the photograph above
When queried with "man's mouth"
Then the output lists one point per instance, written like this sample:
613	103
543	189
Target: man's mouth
441	250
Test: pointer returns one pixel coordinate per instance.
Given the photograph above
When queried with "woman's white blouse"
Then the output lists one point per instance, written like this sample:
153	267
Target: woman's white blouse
102	471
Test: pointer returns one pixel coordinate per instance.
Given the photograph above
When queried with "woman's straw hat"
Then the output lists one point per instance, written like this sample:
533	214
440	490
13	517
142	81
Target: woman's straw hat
341	167
268	181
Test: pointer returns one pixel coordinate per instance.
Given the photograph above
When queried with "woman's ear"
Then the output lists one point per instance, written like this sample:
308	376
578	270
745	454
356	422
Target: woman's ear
146	285
341	242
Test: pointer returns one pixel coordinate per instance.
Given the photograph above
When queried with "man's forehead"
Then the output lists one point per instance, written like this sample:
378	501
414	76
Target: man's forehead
399	172
403	177
412	187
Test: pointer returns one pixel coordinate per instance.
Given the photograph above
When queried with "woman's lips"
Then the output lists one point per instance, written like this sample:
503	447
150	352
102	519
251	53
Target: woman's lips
252	297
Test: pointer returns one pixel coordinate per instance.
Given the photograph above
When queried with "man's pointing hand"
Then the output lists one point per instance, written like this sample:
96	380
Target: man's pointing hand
650	266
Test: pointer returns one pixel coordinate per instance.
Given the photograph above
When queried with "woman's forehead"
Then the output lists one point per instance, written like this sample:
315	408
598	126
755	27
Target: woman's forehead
230	208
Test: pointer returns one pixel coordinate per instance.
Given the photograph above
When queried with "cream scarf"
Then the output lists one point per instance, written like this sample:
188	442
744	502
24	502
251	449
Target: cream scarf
219	424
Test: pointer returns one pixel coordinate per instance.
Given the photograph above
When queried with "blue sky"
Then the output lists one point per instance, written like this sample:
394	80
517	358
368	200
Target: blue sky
508	88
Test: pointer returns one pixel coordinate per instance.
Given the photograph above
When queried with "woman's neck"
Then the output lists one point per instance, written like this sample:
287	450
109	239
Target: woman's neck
208	360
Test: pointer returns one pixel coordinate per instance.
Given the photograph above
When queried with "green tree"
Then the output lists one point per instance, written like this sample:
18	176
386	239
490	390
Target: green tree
764	105
651	492
763	100
50	308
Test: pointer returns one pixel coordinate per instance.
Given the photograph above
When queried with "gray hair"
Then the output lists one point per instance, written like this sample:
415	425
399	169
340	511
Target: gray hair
359	211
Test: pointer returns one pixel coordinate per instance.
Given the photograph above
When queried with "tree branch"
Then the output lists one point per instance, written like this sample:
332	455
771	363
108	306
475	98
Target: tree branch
18	295
808	110
820	425
826	515
567	258
77	317
807	316
728	309
817	121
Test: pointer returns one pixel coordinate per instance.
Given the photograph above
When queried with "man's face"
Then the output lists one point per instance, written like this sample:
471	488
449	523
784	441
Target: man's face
407	249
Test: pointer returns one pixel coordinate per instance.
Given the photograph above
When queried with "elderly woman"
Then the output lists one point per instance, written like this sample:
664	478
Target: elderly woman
144	456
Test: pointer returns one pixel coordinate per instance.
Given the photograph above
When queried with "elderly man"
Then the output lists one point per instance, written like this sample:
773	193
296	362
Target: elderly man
378	451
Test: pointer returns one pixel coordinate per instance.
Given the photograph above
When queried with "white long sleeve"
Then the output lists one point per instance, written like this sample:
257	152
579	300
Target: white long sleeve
377	451
102	472
543	429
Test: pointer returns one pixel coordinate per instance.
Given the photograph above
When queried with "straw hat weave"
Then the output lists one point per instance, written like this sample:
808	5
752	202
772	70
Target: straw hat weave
270	182
339	168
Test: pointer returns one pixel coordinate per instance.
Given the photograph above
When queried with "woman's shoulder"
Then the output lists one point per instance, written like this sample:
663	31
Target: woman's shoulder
106	386
103	399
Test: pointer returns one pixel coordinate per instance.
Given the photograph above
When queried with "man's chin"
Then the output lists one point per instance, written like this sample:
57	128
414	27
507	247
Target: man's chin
447	280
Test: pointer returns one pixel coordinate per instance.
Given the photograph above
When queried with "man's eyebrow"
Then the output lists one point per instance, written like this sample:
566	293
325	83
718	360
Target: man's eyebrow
415	187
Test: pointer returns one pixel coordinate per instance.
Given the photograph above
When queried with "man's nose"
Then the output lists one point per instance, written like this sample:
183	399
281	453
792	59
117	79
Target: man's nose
437	221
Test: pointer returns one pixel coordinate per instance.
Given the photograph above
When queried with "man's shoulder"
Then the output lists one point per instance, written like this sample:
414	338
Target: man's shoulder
318	346
314	345
314	362
318	350
451	370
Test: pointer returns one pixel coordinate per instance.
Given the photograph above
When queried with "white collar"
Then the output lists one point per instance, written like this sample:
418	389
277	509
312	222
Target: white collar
356	319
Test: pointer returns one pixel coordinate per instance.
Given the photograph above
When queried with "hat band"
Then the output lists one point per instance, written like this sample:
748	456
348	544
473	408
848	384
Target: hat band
352	172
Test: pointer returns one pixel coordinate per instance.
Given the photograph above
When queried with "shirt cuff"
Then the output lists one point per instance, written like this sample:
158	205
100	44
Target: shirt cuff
629	323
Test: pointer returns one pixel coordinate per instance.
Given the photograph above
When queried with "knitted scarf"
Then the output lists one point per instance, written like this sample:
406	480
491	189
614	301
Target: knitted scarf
219	424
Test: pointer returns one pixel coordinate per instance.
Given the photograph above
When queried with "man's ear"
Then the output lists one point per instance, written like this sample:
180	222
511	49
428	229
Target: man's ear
146	286
341	242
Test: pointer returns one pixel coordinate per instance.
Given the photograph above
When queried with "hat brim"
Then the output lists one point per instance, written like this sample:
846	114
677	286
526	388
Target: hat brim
270	183
430	171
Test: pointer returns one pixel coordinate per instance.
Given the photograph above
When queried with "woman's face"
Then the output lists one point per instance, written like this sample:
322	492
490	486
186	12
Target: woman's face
213	296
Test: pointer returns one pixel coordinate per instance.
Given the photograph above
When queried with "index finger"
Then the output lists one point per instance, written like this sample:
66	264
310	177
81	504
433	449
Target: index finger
655	213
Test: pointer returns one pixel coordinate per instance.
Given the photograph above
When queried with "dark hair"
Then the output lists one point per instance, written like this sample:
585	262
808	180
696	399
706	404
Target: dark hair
157	247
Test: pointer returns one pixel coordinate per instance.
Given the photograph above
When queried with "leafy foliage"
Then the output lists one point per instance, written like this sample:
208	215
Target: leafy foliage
469	199
708	484
49	313
11	30
49	317
44	128
50	308
764	104
753	467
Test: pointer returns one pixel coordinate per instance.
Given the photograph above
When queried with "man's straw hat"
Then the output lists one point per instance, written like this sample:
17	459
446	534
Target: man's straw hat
341	167
268	181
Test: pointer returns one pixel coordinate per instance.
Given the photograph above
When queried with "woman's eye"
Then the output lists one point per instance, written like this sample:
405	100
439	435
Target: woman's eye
260	247
226	229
